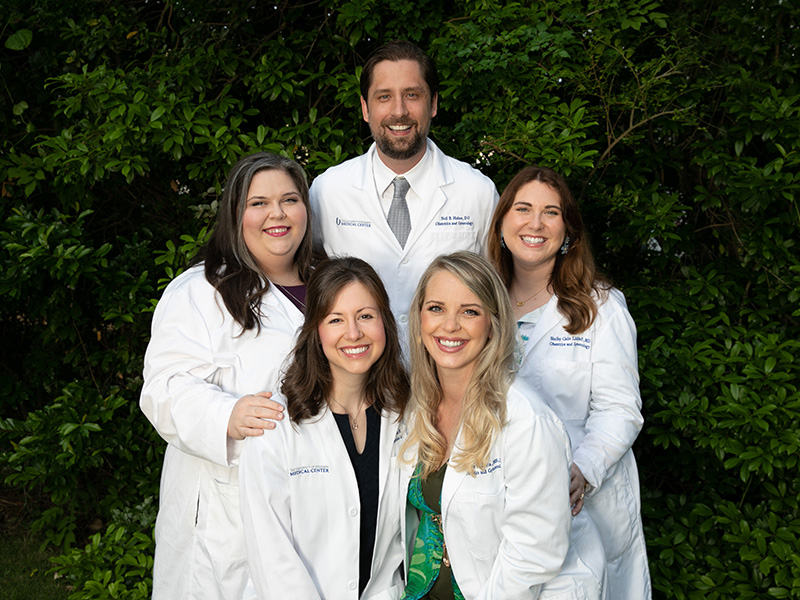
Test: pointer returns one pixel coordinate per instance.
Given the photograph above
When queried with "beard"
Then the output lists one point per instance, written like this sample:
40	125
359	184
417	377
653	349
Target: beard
402	148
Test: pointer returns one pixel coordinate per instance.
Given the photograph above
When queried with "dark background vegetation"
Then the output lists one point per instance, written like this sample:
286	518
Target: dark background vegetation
677	124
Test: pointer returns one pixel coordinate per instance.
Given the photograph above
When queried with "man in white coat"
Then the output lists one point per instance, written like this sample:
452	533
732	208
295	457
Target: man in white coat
404	202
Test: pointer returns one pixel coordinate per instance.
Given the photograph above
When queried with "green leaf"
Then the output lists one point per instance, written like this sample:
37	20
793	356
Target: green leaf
19	40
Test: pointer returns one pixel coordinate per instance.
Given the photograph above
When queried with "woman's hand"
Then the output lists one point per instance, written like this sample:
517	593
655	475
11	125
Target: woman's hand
252	414
577	489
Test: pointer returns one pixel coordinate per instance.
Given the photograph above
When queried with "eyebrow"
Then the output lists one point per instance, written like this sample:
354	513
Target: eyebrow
526	203
363	308
286	195
471	305
408	89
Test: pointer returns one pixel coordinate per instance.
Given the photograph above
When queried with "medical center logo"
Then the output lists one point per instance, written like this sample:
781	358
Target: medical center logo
308	470
352	223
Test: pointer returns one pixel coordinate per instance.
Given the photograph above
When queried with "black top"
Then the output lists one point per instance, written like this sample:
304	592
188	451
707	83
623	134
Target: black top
365	467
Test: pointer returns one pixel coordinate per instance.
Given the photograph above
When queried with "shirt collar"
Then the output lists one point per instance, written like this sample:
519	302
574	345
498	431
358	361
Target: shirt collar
417	177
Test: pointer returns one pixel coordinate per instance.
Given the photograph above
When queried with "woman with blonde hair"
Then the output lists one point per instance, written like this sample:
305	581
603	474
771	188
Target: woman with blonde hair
486	461
580	355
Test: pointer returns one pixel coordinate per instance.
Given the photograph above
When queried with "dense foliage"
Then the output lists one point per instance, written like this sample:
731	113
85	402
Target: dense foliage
678	125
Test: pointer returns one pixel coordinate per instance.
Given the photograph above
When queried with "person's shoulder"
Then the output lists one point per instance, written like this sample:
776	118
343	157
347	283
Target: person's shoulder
192	282
461	169
524	401
342	170
610	300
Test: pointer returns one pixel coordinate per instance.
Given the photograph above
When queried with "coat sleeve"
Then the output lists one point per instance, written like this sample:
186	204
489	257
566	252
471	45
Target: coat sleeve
179	395
536	520
615	406
275	567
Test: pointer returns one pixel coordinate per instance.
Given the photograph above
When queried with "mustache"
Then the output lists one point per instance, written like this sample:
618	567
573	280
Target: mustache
388	122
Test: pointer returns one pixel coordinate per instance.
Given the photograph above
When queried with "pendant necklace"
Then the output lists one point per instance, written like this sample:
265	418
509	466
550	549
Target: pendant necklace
353	422
529	298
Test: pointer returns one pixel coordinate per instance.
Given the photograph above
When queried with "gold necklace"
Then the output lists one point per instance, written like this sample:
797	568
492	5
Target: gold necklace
353	422
529	298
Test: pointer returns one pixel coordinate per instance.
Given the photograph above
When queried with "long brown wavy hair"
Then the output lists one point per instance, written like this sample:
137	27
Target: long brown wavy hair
308	381
229	266
575	278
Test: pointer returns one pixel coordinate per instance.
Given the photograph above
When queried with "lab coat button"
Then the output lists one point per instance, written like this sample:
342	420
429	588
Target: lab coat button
353	512
404	319
404	261
352	584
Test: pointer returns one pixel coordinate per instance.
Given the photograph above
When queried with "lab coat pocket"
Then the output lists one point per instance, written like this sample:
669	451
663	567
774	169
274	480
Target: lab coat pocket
219	523
567	385
481	517
392	593
455	238
613	509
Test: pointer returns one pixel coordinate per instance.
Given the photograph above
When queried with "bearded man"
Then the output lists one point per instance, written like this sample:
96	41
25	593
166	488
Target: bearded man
404	202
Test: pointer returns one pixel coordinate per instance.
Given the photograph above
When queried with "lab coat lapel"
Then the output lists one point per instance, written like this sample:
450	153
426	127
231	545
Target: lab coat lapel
370	201
452	481
550	318
432	205
389	424
279	303
335	441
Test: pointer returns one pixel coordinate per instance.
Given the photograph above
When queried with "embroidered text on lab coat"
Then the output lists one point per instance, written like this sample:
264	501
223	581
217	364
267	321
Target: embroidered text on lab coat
570	341
454	220
308	470
493	465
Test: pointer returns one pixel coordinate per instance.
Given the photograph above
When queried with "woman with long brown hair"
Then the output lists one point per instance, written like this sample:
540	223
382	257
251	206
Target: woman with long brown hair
580	355
221	332
319	494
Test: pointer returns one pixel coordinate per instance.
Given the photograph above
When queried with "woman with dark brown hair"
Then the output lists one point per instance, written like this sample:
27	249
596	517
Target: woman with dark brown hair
221	332
580	355
320	498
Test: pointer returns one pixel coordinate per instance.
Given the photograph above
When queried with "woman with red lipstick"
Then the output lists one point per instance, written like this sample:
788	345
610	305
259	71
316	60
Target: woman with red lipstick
319	496
485	460
220	333
580	355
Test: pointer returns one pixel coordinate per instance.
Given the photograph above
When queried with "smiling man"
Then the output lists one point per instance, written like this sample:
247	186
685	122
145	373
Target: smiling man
404	202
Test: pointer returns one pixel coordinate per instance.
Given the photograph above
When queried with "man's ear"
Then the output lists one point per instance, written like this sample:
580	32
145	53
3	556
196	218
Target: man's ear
434	104
364	109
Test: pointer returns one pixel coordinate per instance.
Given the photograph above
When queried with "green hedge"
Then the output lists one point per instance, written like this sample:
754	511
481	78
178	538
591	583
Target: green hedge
677	124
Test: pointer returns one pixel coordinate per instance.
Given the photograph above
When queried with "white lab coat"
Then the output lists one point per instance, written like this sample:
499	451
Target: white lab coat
301	511
349	220
197	365
591	380
507	529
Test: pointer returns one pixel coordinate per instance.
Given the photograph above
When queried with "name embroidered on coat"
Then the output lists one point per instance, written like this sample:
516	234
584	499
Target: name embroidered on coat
493	465
455	220
570	341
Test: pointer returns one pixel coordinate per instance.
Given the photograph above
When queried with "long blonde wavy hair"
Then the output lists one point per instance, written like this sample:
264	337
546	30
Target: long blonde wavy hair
484	410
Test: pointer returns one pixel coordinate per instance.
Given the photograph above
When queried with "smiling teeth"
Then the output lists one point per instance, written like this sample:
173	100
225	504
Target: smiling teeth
399	127
451	343
532	240
358	350
278	229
